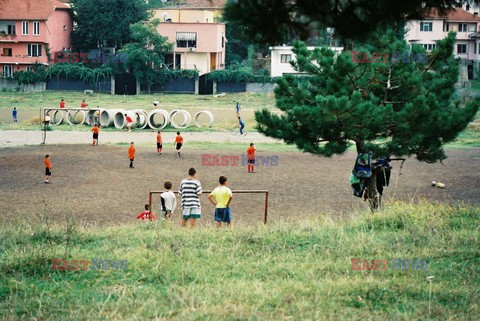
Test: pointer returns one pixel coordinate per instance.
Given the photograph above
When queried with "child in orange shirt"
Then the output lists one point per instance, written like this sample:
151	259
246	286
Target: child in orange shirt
178	143
48	169
131	154
95	131
251	158
147	214
159	143
62	103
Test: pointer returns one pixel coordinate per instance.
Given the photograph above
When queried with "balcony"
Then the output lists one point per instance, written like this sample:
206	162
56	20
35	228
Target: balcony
5	37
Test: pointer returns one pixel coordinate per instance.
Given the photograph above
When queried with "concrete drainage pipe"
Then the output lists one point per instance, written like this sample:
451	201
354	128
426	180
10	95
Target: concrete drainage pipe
187	118
76	117
90	119
119	120
208	114
56	116
155	124
107	116
141	118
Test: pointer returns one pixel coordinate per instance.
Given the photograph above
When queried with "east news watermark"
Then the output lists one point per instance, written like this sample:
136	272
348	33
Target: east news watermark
359	57
84	58
238	160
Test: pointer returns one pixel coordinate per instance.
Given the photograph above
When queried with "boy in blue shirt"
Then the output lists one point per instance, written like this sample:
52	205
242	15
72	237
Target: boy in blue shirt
242	125
14	114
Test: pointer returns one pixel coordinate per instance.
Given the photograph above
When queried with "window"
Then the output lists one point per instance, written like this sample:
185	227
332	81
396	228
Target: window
285	58
446	27
223	41
10	29
7	71
186	39
36	28
7	52
462	49
462	27
30	68
426	26
475	49
34	50
24	27
467	7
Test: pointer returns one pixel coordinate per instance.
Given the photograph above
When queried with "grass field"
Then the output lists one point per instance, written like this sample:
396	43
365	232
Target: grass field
295	271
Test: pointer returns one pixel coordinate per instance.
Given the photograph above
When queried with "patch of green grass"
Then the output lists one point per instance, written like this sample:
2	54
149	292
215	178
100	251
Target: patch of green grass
298	271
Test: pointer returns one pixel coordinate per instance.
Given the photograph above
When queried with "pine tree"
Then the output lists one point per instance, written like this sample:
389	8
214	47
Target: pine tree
398	108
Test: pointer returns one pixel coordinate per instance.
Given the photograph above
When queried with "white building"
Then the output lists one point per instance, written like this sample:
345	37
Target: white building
436	25
281	57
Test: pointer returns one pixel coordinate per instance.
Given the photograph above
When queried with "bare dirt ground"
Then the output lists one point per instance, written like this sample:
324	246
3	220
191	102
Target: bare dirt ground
94	184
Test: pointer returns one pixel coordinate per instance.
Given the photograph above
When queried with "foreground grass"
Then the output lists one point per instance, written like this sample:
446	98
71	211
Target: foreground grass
279	272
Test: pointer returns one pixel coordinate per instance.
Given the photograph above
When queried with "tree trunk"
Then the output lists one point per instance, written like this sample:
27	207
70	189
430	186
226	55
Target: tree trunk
374	197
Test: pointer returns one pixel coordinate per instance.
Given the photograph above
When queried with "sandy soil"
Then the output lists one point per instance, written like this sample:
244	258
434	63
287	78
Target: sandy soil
96	185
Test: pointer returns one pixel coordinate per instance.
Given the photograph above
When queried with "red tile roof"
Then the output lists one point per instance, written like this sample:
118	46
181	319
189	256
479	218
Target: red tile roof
454	14
29	9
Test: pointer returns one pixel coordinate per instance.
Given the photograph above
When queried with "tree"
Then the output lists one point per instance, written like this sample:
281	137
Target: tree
105	23
397	108
146	52
277	21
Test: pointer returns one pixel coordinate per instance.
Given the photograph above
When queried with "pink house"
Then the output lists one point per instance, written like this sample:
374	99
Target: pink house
198	46
28	28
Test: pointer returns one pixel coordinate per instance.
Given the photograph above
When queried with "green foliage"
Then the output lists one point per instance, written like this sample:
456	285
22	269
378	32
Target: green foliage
277	21
146	50
388	109
237	76
29	77
105	23
283	271
79	71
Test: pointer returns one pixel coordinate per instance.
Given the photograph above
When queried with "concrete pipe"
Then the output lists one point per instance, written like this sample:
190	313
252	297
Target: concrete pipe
187	118
72	117
119	119
154	124
56	116
141	118
208	114
91	115
107	116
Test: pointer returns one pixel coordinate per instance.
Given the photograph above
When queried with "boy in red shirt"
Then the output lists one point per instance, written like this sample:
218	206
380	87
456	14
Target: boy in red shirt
129	122
159	143
95	131
83	104
147	214
62	103
251	158
131	154
48	169
178	143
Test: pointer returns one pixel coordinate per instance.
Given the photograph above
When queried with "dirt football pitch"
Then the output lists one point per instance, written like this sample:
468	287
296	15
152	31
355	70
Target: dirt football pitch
95	185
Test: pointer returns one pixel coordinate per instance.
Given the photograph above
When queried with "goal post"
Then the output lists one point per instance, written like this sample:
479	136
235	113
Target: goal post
265	215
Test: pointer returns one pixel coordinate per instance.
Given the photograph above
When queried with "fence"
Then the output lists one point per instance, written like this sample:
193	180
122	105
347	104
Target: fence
265	216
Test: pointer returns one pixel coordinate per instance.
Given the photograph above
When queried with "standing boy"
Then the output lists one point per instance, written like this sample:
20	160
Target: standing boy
62	103
14	114
190	191
237	109
95	131
178	143
129	122
131	154
241	123
251	158
168	200
48	169
221	198
159	143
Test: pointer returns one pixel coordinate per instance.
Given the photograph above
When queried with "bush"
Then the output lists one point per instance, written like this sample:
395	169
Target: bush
237	76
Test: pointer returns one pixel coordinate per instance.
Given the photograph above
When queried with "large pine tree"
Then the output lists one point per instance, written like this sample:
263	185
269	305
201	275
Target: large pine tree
398	108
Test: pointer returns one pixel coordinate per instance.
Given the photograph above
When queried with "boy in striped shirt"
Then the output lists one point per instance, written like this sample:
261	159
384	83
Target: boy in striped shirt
190	191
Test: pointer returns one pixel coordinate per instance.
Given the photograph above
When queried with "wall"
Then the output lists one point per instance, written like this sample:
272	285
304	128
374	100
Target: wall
12	84
59	38
263	88
78	85
176	85
185	15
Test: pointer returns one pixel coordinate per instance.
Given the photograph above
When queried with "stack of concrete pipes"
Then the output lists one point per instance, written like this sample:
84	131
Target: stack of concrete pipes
155	119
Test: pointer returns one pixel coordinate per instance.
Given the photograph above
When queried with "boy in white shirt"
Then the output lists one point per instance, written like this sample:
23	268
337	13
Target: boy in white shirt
169	201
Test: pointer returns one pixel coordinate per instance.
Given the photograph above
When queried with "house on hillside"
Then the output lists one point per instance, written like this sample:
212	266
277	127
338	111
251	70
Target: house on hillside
437	24
191	11
29	30
281	56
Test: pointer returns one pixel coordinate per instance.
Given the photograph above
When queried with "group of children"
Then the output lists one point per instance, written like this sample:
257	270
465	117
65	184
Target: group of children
190	191
63	104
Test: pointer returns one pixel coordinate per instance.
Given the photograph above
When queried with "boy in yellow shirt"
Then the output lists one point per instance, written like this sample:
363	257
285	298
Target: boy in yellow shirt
221	198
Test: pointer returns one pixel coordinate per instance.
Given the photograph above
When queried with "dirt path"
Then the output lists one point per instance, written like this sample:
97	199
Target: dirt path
21	138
